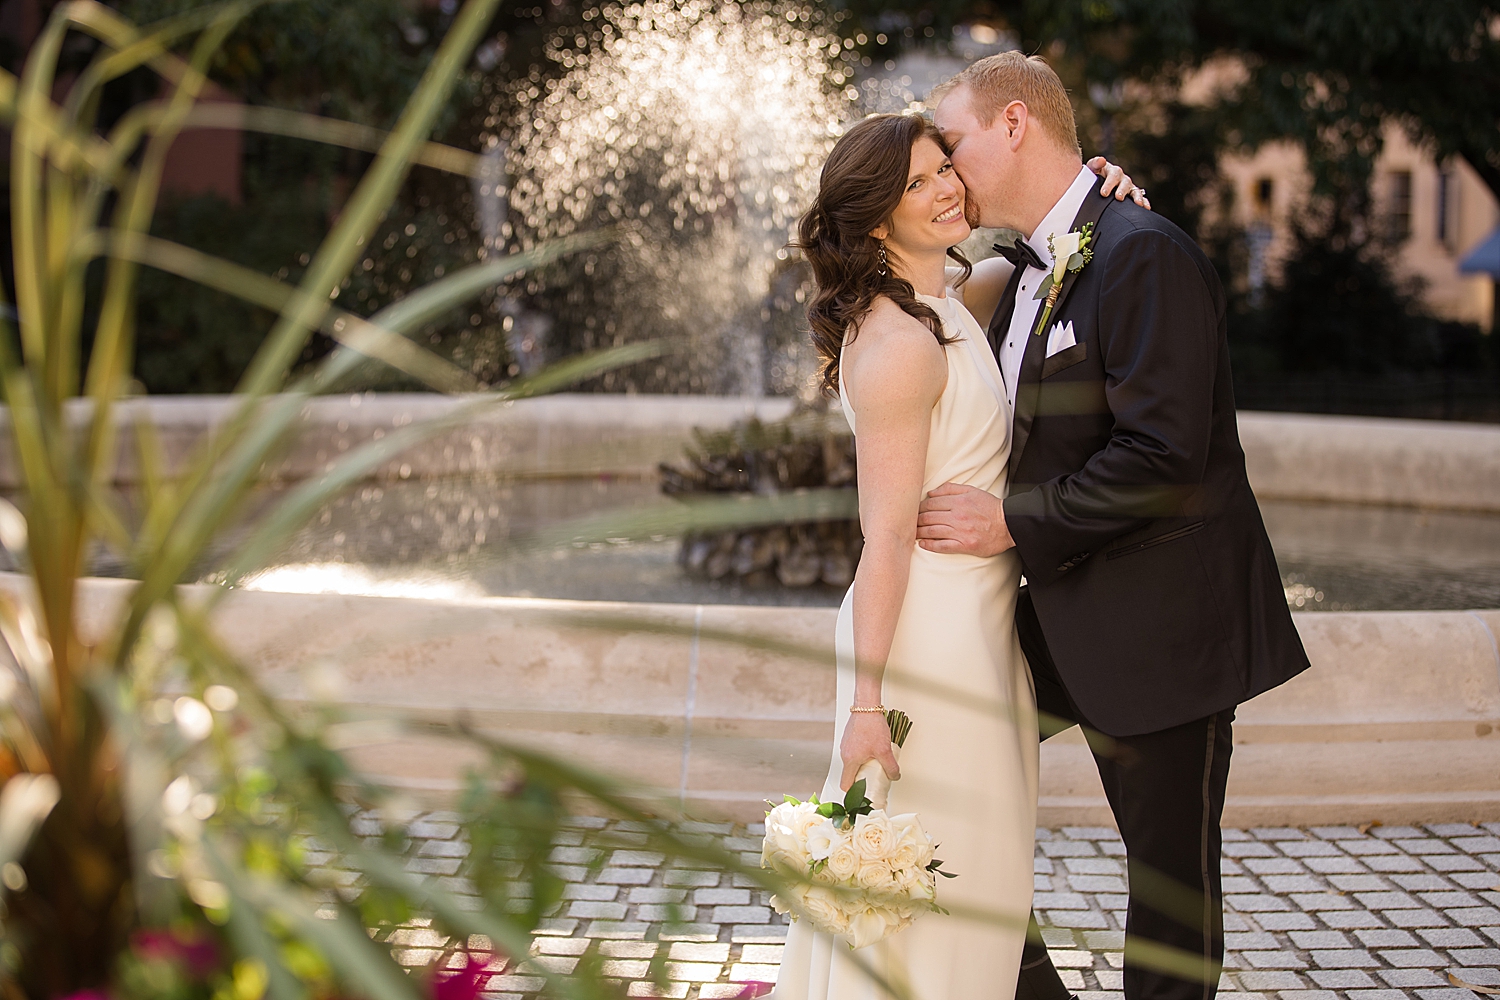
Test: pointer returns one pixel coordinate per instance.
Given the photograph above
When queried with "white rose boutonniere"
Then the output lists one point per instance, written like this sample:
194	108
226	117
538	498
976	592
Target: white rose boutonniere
1070	252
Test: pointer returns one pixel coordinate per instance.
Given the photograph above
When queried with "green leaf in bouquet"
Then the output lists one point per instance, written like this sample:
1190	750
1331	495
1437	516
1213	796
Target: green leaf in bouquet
855	802
1045	287
935	866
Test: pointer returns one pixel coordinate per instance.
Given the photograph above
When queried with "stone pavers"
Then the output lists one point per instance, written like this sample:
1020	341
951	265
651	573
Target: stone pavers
1326	913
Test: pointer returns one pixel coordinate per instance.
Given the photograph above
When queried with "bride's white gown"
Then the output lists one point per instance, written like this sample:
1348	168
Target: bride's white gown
969	767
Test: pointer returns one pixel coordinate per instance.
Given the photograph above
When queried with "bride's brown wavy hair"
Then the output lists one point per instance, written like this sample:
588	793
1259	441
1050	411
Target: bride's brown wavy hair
861	185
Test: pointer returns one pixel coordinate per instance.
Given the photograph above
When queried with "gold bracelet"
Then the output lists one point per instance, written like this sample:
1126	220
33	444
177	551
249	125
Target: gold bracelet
868	708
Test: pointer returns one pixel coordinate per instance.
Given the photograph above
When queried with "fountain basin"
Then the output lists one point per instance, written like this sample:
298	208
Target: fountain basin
1364	514
1299	457
1397	720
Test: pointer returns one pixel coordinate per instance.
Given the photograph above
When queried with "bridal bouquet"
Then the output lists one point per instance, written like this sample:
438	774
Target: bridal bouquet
861	873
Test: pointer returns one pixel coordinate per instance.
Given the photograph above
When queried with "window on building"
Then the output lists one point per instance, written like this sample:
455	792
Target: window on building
1399	217
1447	209
1264	189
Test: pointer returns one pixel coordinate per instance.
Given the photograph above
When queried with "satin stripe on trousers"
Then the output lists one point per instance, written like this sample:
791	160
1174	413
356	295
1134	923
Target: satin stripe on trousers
1166	790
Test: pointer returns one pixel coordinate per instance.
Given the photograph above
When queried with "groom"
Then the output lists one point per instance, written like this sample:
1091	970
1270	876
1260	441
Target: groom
1153	604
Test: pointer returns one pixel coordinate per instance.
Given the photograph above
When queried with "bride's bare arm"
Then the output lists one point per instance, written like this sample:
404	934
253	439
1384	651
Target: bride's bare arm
985	286
894	372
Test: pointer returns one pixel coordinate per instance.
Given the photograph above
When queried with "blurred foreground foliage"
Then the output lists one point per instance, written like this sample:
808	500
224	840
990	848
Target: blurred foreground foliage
167	829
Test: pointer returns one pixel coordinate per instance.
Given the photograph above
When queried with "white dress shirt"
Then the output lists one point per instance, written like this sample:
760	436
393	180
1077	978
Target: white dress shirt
1055	223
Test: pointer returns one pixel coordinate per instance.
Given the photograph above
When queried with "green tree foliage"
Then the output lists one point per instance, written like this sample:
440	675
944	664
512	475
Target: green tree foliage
1327	74
356	62
353	62
1330	76
1340	308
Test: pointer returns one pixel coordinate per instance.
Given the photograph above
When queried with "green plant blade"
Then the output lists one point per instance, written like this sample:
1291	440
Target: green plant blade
110	359
342	940
369	201
370	339
134	48
199	516
432	300
332	131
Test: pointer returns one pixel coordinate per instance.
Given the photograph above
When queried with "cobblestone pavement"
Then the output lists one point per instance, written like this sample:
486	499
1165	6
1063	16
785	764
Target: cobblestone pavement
1324	913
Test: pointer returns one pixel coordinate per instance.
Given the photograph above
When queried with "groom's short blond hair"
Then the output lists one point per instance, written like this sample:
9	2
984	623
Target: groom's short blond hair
994	81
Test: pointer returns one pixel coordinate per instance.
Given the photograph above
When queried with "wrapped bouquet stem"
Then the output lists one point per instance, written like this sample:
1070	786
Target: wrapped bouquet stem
877	783
853	870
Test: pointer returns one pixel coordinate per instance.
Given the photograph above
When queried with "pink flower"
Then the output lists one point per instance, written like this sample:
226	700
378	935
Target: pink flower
197	954
465	984
753	990
88	995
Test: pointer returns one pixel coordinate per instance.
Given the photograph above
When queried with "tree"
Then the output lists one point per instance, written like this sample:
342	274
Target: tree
1328	74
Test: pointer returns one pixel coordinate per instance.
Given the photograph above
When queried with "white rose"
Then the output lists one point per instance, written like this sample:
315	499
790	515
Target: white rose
820	839
822	908
778	816
843	860
783	839
909	831
907	848
787	863
872	837
908	823
922	889
876	875
1064	246
804	817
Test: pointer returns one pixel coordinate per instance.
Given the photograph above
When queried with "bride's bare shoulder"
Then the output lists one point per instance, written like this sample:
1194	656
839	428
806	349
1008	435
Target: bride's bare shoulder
892	353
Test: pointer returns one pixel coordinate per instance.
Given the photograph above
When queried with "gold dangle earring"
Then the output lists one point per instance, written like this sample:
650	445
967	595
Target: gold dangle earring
883	266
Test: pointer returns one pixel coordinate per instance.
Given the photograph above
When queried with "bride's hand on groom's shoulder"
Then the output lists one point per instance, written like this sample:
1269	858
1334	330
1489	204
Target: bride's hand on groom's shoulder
1118	182
954	518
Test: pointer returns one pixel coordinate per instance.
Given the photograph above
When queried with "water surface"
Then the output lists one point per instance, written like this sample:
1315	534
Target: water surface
459	538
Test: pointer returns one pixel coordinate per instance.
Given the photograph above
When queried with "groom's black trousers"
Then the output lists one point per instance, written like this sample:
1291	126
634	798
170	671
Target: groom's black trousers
1167	793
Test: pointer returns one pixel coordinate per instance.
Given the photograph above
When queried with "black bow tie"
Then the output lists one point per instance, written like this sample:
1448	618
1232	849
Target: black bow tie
1021	254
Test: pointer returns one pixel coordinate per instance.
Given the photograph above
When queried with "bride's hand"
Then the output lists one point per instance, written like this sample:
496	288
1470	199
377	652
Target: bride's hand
1118	181
867	736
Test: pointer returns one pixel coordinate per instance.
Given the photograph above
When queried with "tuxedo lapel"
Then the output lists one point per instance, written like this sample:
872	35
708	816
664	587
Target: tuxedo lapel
1029	381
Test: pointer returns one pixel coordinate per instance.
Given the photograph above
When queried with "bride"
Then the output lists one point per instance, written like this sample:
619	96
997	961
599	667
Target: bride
932	634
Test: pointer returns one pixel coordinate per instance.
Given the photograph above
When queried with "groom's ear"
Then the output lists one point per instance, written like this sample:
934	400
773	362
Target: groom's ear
1014	119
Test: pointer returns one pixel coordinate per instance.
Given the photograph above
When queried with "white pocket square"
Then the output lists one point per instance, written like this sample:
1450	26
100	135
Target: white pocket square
1060	338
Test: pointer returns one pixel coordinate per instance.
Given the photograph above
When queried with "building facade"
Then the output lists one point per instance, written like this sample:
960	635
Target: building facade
1435	213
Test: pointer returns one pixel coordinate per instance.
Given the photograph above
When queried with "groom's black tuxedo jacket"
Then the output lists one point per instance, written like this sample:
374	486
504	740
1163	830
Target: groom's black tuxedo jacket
1144	550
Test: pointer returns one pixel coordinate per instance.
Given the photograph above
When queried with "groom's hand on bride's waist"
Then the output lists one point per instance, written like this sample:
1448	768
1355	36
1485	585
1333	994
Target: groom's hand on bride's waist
954	518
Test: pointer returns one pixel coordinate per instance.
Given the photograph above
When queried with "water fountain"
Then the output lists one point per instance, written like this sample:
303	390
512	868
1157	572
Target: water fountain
699	128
